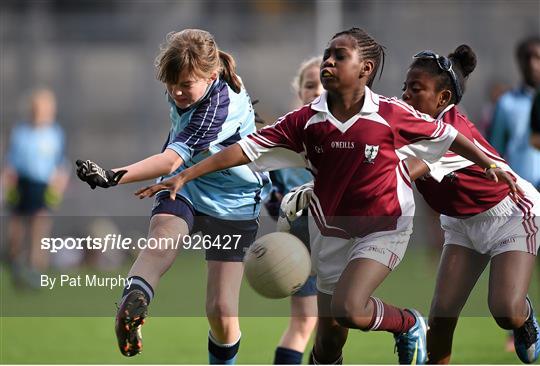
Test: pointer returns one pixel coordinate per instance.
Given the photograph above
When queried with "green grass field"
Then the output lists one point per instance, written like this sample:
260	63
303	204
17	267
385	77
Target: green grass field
183	340
47	327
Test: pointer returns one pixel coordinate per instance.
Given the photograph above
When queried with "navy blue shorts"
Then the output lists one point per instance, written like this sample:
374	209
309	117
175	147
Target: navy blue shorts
29	197
231	238
309	288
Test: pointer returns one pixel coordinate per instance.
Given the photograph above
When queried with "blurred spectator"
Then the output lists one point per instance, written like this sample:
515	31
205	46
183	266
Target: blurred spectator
510	131
34	180
535	121
495	91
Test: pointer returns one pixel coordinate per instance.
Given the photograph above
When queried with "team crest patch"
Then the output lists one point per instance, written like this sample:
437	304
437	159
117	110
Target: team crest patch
371	152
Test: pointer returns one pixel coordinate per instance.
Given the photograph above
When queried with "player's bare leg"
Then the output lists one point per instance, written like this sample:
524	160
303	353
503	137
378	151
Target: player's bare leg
301	323
330	337
351	305
509	280
459	270
40	227
150	265
15	253
222	295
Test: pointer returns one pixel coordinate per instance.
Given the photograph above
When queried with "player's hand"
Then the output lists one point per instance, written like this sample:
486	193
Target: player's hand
293	204
96	176
496	174
172	185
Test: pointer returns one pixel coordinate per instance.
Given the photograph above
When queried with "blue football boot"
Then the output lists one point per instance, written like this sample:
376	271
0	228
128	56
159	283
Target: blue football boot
526	339
411	345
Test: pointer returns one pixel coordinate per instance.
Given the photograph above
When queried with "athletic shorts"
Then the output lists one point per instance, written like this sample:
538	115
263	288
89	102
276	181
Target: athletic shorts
330	255
234	236
28	197
300	229
508	226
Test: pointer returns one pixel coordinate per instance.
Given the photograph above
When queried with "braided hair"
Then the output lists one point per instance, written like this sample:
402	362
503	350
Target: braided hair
369	49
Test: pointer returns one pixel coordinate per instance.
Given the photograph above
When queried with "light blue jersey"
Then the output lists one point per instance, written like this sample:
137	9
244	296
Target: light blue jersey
220	119
36	151
286	179
510	133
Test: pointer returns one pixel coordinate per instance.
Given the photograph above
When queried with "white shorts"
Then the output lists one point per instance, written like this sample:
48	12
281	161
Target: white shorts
508	226
330	255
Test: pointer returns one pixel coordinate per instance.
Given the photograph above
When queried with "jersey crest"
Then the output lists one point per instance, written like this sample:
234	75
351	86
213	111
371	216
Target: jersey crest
371	152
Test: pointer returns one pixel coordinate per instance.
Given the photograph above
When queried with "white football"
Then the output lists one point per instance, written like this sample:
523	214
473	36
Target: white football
277	265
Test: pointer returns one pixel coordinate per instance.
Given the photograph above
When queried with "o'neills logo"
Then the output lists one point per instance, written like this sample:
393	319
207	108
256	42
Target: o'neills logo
342	144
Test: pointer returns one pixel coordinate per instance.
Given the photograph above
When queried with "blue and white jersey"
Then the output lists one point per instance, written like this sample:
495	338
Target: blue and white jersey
510	133
35	152
220	119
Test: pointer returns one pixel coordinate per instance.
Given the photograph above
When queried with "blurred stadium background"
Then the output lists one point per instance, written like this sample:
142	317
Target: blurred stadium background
98	58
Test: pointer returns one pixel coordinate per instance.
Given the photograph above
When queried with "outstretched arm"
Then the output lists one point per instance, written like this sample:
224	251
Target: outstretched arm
152	167
465	147
229	157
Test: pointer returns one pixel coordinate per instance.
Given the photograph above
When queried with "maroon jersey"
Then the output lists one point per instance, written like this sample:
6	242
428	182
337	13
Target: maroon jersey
456	186
361	185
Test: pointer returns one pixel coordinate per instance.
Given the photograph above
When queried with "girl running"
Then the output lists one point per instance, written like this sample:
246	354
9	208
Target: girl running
361	210
209	110
481	220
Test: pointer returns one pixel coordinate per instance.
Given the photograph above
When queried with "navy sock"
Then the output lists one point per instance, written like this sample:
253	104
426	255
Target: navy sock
222	354
287	356
139	283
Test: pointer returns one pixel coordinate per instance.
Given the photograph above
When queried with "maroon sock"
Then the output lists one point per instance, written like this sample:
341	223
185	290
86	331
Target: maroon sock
389	318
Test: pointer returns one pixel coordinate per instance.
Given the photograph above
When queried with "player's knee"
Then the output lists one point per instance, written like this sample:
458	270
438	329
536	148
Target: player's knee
220	308
351	314
508	312
303	325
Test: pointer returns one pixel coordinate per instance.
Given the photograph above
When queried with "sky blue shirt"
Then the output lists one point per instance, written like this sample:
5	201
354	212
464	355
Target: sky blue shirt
286	179
510	133
35	152
220	119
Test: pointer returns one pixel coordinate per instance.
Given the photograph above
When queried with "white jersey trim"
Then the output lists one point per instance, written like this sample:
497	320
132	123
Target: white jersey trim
430	150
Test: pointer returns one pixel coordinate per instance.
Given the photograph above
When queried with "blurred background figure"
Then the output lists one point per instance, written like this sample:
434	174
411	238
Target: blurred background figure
34	180
510	129
535	123
494	92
